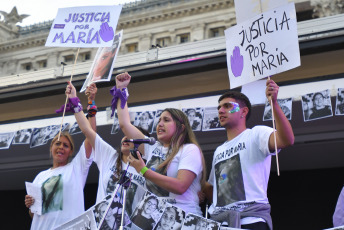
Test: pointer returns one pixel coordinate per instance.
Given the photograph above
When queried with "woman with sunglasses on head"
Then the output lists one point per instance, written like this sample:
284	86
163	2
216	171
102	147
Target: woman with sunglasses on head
175	164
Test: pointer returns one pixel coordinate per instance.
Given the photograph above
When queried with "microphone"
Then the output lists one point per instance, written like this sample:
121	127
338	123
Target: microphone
150	141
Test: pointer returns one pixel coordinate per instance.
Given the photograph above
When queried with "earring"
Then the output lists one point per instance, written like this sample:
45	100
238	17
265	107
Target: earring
242	116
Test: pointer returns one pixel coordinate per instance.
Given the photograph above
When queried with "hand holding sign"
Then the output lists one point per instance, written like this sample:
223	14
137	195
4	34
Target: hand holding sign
237	62
106	32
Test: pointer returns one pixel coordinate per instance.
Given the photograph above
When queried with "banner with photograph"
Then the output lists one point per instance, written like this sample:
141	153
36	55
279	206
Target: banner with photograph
193	221
6	140
265	45
285	104
86	26
317	105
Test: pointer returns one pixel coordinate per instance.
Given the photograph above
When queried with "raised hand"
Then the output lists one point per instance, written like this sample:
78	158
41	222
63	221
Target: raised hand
122	80
106	32
91	92
271	90
70	90
237	62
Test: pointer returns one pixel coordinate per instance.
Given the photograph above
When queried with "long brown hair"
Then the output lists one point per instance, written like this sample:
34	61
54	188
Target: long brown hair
183	135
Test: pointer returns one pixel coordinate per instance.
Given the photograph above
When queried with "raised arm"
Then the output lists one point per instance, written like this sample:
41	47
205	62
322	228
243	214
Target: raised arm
284	132
91	92
83	123
129	130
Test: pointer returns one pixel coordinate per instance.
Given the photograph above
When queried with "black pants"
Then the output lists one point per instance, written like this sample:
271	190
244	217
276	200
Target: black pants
256	226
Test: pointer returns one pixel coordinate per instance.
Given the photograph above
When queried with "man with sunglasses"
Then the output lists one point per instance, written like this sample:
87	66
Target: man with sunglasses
240	170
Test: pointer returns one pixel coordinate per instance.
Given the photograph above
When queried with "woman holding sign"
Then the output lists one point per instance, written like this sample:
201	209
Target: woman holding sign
62	185
175	165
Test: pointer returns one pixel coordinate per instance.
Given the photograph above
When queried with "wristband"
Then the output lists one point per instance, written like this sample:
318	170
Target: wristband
91	109
73	106
121	94
143	171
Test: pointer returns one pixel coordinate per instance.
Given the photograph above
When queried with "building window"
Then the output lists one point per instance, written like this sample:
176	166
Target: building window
163	42
131	48
183	38
27	66
217	32
42	64
68	58
85	56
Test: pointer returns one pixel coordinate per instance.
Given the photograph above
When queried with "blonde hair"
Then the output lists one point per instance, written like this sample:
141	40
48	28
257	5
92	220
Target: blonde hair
183	135
66	135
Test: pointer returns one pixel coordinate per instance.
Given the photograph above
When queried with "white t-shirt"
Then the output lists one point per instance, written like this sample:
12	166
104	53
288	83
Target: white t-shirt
62	192
240	171
105	157
189	158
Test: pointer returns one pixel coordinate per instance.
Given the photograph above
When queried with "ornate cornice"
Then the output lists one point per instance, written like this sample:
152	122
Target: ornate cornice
167	10
324	8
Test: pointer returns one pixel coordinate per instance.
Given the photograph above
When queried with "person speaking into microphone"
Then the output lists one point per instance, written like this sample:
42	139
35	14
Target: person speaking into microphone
175	166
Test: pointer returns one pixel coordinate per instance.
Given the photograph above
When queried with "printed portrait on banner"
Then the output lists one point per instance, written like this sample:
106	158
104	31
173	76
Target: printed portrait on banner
316	105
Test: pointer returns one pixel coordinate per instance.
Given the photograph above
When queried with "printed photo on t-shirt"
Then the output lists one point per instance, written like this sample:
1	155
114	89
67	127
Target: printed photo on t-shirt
52	194
153	164
229	181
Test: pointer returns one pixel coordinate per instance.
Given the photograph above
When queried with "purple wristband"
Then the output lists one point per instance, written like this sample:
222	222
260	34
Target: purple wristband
73	106
117	93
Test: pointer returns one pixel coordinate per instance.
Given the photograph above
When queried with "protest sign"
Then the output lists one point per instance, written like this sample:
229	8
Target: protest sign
265	45
88	26
246	9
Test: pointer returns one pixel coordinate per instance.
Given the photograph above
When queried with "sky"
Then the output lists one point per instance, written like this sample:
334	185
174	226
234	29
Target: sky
46	10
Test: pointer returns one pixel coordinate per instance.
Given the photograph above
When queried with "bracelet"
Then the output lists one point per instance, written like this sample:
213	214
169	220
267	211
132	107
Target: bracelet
121	94
143	170
73	106
91	109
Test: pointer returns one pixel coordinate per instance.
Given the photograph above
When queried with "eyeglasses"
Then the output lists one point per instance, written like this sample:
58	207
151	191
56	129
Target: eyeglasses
232	106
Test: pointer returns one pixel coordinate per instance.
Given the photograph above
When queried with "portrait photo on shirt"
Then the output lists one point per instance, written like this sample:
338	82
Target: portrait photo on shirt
52	194
113	216
153	164
148	212
85	221
340	102
144	120
285	104
115	125
38	136
6	140
211	119
22	136
74	129
195	222
172	218
103	63
316	105
229	181
195	116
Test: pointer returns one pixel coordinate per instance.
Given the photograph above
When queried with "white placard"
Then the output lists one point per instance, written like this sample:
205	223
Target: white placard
265	45
246	9
34	190
88	26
